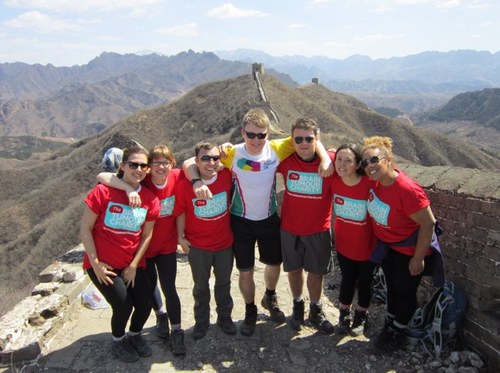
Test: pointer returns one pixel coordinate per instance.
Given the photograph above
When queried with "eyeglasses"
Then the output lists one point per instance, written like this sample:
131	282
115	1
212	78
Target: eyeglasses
373	160
135	165
161	163
299	139
253	135
207	158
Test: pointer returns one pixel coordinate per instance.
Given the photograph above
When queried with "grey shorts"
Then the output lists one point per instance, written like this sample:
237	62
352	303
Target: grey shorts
311	252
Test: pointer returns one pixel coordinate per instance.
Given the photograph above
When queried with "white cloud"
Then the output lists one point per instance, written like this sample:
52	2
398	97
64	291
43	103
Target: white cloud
448	4
41	22
228	10
186	30
297	26
377	37
319	1
80	5
411	2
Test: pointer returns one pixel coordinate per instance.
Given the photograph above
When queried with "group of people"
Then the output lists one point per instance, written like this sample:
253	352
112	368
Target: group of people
223	202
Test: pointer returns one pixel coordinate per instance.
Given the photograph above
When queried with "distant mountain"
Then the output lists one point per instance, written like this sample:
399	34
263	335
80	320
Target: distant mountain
412	83
472	116
79	101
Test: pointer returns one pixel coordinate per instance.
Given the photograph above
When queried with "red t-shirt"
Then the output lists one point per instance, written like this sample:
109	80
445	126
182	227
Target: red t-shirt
164	240
307	200
390	208
354	236
118	228
207	220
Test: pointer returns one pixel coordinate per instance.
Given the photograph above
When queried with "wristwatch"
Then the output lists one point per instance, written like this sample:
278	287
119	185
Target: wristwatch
195	180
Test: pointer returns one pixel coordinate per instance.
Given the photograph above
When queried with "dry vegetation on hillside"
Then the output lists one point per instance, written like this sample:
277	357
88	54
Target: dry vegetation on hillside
41	205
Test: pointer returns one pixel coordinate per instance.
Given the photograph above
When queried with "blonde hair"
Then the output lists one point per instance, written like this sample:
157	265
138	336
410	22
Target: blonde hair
259	117
382	142
161	151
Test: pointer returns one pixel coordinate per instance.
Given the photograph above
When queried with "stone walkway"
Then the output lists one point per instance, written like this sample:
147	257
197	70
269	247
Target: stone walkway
83	344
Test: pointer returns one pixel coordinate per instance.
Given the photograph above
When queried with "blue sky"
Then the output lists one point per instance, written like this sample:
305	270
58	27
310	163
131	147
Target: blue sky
73	32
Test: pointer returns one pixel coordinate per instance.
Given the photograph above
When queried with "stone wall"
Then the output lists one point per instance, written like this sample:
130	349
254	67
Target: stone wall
467	203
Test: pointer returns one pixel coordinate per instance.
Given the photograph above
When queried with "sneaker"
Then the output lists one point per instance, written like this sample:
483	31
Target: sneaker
270	303
297	319
140	345
162	327
344	324
359	323
390	340
247	327
200	330
318	319
124	351
227	325
177	342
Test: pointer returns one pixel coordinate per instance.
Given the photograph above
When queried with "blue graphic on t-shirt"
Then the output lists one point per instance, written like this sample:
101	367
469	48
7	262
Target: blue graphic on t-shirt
378	210
348	208
124	217
167	206
209	208
304	183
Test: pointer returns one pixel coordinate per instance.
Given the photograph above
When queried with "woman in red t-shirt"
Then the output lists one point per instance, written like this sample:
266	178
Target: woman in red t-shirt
115	238
399	209
354	238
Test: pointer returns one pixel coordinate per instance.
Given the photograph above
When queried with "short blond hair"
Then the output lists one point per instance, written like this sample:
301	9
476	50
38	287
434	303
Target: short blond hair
258	117
381	142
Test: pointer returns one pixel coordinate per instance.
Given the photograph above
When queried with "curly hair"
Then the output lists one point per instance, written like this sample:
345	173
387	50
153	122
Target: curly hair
382	142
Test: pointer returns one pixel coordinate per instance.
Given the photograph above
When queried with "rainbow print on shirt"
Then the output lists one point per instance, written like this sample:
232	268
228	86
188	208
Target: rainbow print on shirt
248	165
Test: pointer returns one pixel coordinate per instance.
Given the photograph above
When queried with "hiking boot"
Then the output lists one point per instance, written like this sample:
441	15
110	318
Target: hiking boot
247	327
227	325
140	345
124	351
270	303
344	324
177	342
390	340
162	327
200	330
297	319
318	319
359	323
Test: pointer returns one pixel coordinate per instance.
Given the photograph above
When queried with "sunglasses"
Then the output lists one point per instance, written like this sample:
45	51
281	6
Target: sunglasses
161	163
373	160
253	135
299	139
135	165
207	158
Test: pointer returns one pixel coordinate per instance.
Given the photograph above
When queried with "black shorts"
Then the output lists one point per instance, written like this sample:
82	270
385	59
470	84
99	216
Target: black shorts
266	233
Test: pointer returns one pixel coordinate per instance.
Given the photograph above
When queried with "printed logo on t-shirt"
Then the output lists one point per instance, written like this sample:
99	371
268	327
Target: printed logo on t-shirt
124	217
378	210
254	166
348	208
304	182
209	208
167	206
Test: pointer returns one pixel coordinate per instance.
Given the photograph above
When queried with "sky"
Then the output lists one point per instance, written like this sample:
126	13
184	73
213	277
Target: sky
73	32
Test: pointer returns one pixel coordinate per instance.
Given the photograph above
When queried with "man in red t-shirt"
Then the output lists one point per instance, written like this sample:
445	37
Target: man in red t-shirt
204	233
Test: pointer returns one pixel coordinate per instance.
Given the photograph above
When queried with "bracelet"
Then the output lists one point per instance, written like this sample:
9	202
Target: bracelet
195	180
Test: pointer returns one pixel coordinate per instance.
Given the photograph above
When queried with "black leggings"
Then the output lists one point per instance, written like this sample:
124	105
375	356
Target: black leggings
166	264
353	271
124	300
401	286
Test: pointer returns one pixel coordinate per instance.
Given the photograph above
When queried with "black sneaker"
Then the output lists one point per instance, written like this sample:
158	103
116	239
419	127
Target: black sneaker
162	327
227	325
270	303
297	319
140	345
390	340
344	324
318	319
359	323
124	351
247	327
200	330
177	342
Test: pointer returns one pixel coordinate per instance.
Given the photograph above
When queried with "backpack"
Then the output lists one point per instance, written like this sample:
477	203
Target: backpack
436	323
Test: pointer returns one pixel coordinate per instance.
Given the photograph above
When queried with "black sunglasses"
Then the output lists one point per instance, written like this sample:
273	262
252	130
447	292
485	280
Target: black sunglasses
135	165
253	135
299	139
207	158
373	160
